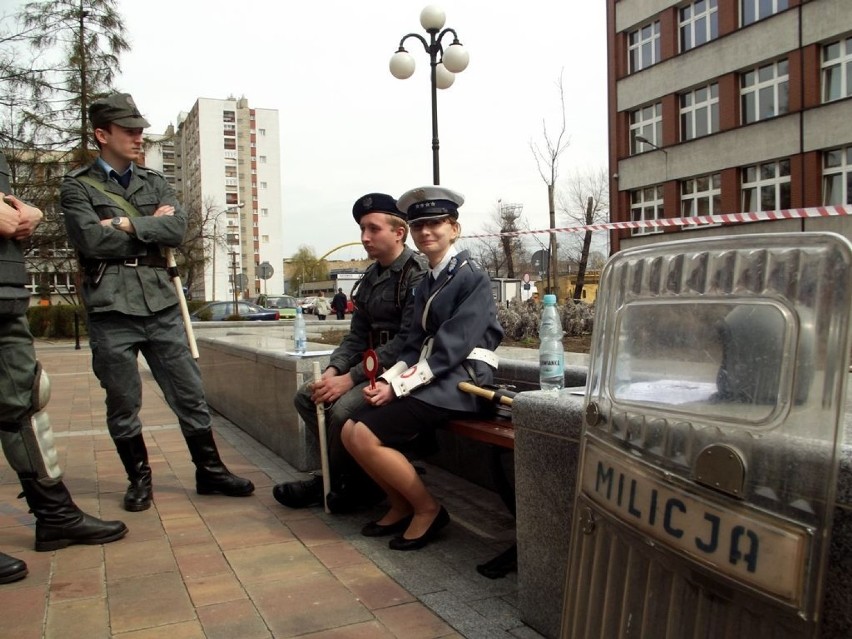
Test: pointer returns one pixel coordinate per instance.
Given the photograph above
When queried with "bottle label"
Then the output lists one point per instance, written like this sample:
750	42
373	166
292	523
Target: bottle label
551	364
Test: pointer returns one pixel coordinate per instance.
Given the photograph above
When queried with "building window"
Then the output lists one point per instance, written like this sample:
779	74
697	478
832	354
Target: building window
264	212
837	70
646	205
643	47
766	187
264	239
230	143
754	10
262	159
764	91
699	23
701	195
837	176
648	123
699	112
229	116
261	131
263	185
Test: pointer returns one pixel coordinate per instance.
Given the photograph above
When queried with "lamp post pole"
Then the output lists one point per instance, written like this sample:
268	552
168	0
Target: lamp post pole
234	278
442	71
230	209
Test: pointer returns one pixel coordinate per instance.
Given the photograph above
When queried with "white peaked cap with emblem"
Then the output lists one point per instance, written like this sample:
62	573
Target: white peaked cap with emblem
430	203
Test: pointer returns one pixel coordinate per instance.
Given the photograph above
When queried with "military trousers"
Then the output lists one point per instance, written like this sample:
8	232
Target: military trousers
339	460
17	368
117	339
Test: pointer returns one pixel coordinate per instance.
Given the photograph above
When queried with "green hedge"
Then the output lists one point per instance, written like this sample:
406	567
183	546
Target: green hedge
55	321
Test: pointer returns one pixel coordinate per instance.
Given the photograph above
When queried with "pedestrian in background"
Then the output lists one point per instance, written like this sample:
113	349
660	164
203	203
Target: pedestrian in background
338	304
119	217
25	430
321	306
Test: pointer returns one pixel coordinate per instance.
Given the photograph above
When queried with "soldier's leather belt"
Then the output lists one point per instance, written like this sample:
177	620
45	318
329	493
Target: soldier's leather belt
154	261
380	338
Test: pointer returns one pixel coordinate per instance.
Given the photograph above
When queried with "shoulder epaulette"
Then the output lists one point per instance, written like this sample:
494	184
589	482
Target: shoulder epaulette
77	172
151	171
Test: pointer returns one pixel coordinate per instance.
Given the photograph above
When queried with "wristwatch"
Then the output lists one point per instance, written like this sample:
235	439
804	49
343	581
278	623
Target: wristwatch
116	222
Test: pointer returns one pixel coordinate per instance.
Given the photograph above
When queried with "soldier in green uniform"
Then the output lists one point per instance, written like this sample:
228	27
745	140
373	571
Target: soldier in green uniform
383	300
119	216
24	391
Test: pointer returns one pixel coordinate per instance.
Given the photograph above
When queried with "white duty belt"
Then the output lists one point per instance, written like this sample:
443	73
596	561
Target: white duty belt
479	354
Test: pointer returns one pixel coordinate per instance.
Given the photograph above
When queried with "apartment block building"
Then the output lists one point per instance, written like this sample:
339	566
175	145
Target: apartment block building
226	163
725	106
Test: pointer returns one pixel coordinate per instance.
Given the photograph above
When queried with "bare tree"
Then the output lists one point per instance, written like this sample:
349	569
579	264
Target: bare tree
547	160
501	249
585	201
56	56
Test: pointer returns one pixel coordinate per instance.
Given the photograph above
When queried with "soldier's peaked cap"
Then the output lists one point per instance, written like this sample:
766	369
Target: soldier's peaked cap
118	108
375	203
430	203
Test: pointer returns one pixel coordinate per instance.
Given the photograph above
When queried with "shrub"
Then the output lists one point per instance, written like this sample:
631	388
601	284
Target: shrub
55	321
520	320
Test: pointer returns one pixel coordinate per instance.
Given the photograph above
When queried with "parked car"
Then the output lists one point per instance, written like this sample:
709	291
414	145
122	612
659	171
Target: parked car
286	304
218	311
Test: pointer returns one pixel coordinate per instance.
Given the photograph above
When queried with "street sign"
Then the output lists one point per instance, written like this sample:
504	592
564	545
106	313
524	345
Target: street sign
539	261
265	270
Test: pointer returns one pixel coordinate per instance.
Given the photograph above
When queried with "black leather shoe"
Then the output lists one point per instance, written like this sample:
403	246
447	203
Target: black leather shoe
299	494
401	543
375	529
11	569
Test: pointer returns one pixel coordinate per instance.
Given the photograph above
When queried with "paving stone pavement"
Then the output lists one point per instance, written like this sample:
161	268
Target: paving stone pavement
238	568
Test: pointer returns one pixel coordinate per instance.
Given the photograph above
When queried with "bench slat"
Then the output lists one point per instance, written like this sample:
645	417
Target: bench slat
497	432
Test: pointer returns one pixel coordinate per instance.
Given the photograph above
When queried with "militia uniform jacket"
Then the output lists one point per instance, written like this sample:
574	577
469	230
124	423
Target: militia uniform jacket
384	307
460	317
122	287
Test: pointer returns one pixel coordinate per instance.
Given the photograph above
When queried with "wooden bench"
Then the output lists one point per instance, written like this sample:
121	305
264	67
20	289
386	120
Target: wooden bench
500	434
495	431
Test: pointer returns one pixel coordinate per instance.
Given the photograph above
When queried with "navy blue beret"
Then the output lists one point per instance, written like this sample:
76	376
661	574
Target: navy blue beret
375	203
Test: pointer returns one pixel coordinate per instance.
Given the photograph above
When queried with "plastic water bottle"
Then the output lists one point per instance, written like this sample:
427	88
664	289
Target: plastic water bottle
300	338
551	354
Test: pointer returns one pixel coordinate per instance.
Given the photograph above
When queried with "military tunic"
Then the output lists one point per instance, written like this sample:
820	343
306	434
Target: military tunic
383	311
133	308
461	316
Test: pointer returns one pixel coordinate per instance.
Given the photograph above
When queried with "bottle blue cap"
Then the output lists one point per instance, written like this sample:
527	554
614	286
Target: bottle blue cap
550	299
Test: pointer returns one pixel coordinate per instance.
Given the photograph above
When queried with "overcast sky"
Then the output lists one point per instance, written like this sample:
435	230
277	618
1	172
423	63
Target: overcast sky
348	127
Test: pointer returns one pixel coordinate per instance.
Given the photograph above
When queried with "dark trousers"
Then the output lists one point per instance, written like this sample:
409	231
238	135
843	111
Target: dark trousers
339	460
116	341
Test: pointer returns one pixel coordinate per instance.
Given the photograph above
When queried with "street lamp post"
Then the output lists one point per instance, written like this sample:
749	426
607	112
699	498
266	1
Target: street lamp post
452	60
230	209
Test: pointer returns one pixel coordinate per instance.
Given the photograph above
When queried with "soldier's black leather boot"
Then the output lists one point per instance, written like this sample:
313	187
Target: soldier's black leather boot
211	475
299	494
134	456
11	569
59	523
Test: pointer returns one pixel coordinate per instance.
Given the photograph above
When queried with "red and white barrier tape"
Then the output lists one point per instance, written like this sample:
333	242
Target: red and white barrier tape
699	220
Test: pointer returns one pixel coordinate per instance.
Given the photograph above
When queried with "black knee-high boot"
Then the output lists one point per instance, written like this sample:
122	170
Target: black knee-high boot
211	475
134	456
60	523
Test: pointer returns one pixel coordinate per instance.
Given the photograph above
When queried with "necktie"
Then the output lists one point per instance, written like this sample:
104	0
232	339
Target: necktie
124	180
